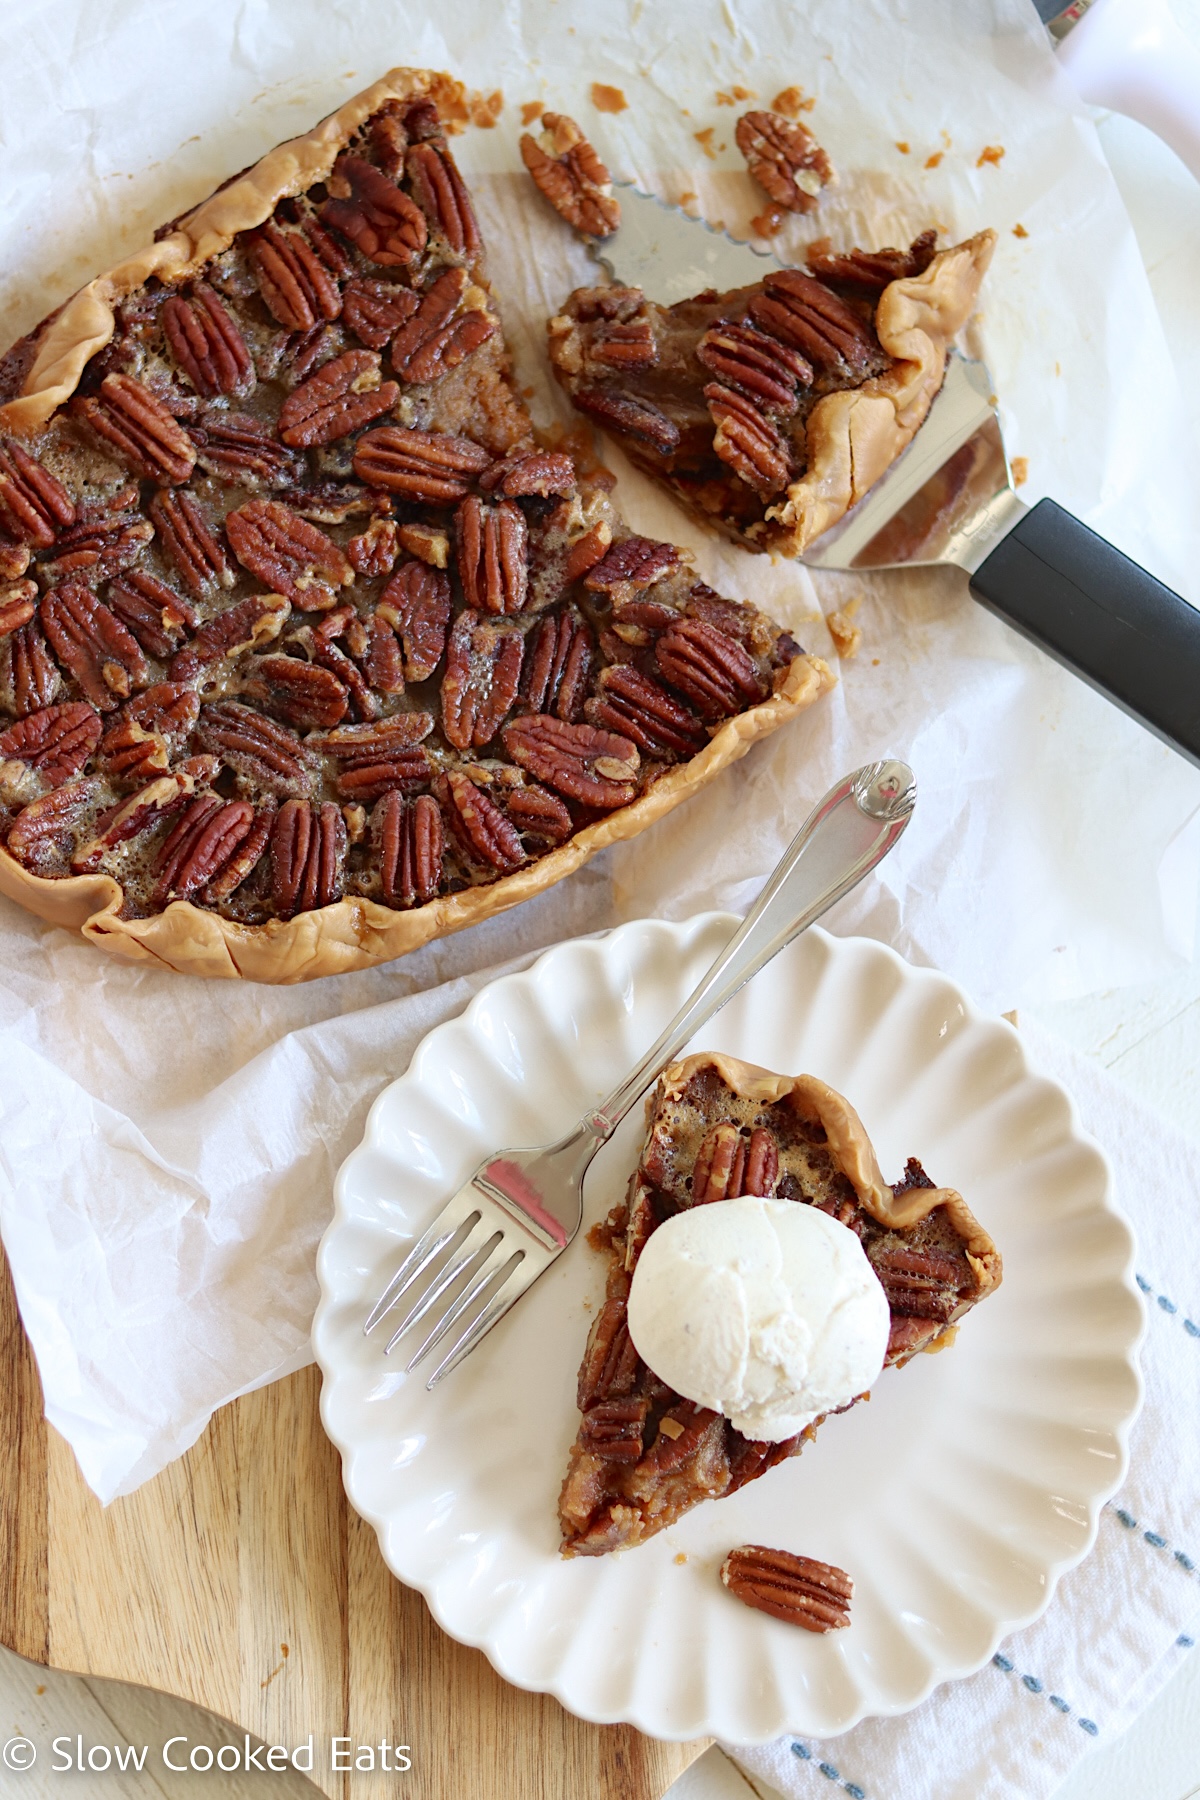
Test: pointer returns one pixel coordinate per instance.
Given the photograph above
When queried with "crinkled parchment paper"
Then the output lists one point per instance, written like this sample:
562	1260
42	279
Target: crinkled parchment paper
168	1147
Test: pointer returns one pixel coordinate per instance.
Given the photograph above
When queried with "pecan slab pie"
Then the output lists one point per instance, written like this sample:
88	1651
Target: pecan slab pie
769	411
718	1128
308	652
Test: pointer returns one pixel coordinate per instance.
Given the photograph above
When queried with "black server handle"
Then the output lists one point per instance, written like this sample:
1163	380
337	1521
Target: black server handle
1103	616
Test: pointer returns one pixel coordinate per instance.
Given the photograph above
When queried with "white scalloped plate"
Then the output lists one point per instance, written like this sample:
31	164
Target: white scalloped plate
955	1499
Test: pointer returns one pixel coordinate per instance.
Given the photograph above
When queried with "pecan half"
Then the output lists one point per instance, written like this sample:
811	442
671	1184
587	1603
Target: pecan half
41	837
784	158
443	196
34	505
29	677
752	445
139	428
750	1457
375	550
288	554
625	344
342	396
18	603
244	859
96	547
265	754
612	1429
296	287
234	447
333	502
416	603
713	671
631	564
638	622
200	845
478	823
410	841
207	344
139	743
159	618
610	1362
921	1284
56	741
557	666
492	545
806	315
389	137
641	709
379	756
792	1588
375	310
681	1435
766	371
334	661
572	177
382	661
91	644
483	668
581	762
631	417
300	693
438	336
253	622
538	814
729	1164
141	812
588	550
379	219
308	856
524	473
431	466
870	271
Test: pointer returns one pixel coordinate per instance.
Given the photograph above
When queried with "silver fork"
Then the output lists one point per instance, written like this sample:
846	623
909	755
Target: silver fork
521	1208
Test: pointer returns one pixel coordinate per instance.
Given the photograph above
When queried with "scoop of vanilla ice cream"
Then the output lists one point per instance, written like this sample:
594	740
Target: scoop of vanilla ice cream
765	1310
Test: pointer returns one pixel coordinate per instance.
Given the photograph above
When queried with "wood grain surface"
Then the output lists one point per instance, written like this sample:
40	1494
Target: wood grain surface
242	1580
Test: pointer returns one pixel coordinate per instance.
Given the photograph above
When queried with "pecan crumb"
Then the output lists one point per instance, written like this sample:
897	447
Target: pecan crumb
931	162
902	146
531	110
793	100
608	99
1020	470
705	140
1019	231
991	153
767	222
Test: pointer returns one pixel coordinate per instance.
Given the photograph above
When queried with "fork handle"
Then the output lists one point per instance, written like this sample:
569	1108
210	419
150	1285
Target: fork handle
847	834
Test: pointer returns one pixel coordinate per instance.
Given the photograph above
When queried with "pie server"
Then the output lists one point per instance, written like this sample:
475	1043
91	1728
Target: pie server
949	498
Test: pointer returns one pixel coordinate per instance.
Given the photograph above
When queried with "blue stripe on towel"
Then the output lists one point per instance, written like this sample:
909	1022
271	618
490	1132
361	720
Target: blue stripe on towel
1167	1305
830	1773
1033	1685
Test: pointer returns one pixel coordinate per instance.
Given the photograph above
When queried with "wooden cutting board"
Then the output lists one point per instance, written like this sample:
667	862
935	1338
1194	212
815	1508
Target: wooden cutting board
242	1580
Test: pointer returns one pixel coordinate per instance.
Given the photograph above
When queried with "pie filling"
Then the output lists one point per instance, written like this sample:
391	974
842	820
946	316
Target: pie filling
718	1129
294	607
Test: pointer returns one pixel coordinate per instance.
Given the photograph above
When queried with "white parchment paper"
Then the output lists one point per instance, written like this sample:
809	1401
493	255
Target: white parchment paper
167	1147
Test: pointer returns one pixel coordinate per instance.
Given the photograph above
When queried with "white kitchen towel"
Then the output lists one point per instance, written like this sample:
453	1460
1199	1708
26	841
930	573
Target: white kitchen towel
1121	1621
168	1147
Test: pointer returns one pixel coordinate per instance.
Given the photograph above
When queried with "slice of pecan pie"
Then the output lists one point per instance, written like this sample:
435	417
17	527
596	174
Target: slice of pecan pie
716	1129
769	411
309	652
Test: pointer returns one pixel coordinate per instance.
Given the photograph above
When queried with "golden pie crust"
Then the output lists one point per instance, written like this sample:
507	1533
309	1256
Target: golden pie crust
354	933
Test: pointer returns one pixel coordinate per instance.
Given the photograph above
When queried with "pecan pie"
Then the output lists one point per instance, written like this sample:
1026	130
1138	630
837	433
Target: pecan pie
309	652
769	411
718	1129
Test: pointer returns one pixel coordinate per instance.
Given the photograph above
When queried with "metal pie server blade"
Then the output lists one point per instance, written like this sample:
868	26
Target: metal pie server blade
949	499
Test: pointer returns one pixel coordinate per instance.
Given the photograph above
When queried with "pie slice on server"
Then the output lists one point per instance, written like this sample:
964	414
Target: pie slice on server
717	1129
769	411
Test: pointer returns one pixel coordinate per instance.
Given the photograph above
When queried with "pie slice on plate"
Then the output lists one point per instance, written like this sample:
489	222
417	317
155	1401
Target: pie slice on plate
769	411
718	1128
309	651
